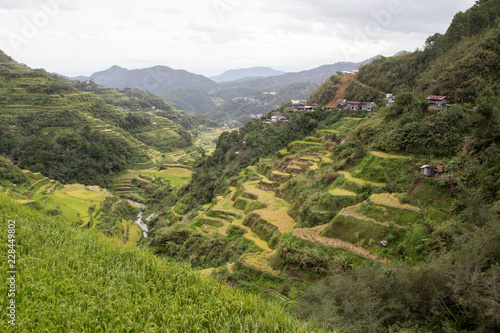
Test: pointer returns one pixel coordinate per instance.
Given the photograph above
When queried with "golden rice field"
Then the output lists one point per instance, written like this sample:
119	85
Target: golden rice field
390	200
251	236
259	261
360	181
276	212
342	192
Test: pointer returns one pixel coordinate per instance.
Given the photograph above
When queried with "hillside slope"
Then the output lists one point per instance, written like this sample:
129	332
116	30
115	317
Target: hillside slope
75	136
328	198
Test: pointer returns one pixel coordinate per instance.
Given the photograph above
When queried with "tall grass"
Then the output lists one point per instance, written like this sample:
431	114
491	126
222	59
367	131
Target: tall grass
79	281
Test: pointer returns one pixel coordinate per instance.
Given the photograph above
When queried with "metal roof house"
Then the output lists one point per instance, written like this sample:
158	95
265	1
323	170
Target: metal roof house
437	102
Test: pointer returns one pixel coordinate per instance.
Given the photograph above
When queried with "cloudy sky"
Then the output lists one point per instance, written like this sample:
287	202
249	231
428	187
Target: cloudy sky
73	37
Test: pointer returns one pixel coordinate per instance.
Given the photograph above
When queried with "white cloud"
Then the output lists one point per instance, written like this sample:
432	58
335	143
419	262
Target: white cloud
84	36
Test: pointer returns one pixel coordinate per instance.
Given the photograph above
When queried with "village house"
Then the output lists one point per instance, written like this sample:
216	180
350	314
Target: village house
343	104
437	102
297	105
349	72
430	171
277	116
368	106
389	99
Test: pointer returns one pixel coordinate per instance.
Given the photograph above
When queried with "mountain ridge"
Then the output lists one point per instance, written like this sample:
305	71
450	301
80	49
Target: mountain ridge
244	73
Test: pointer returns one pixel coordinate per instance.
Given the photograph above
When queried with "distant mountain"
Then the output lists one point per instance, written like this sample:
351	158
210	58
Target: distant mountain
107	77
196	93
245	73
401	53
277	83
154	80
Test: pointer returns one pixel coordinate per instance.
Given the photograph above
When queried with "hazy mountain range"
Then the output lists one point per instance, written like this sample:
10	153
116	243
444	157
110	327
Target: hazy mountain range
246	73
195	93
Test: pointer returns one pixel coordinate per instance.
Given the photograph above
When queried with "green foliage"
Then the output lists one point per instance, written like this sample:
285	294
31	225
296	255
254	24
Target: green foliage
409	130
199	250
10	173
402	217
400	173
355	231
263	229
298	255
386	74
73	156
133	122
460	64
463	72
453	292
358	92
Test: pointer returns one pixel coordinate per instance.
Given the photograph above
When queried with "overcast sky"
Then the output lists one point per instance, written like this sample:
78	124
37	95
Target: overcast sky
73	37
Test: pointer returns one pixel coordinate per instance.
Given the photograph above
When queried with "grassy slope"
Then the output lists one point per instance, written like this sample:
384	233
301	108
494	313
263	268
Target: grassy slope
70	280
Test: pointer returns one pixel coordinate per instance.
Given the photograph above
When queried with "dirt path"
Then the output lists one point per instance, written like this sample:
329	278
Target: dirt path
417	187
314	235
352	211
345	81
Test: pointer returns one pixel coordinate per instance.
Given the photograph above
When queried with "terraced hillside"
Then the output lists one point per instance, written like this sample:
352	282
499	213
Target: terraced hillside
49	126
314	206
84	207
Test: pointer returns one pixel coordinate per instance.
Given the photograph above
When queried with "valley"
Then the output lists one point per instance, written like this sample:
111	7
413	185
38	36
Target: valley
135	215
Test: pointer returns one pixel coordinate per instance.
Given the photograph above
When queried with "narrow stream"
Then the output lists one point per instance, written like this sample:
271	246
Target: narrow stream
139	220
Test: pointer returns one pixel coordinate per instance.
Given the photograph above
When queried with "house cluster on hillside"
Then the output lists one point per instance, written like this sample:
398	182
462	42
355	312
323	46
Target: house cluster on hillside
275	118
434	102
247	99
343	104
349	72
301	105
